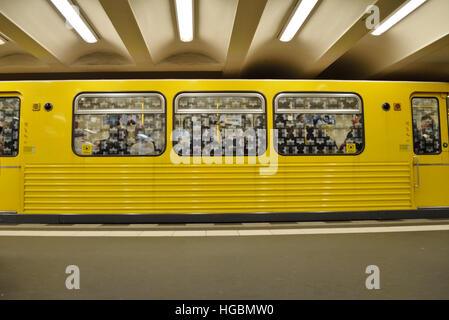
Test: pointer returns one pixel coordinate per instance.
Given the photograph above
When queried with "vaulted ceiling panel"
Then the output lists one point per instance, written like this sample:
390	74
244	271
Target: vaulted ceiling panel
232	39
154	18
213	26
328	22
377	56
109	40
42	23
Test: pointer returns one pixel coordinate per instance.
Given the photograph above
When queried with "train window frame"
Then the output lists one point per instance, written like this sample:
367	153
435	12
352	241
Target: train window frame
18	129
220	93
119	111
439	125
319	94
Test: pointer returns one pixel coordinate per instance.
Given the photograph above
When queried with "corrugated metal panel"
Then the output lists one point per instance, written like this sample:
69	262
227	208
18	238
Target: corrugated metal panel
298	187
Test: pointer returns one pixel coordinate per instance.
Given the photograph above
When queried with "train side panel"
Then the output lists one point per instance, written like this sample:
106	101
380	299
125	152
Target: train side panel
53	180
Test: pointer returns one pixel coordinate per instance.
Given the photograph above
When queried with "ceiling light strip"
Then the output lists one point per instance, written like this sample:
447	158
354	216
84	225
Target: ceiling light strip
295	22
400	14
75	20
184	14
2	40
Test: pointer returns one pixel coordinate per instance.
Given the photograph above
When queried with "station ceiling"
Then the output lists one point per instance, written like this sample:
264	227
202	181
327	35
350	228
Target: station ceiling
232	39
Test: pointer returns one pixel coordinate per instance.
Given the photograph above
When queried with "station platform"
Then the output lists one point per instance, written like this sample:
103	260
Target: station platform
306	260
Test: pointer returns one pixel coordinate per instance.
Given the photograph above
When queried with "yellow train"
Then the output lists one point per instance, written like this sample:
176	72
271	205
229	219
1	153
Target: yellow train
222	150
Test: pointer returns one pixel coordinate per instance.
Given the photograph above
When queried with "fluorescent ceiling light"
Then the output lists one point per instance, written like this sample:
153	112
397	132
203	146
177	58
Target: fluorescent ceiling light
184	14
404	11
297	20
75	20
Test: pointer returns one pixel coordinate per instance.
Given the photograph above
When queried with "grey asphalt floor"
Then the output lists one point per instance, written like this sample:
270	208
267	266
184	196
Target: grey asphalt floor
412	265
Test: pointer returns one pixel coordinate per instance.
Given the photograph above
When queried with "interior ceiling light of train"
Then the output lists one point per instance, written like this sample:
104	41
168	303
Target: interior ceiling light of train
300	39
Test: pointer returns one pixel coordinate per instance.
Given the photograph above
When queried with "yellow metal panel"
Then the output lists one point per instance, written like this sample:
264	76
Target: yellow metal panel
433	186
10	187
202	189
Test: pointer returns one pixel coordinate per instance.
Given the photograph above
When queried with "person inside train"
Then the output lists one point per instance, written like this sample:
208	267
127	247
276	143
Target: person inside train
144	144
130	121
427	127
426	136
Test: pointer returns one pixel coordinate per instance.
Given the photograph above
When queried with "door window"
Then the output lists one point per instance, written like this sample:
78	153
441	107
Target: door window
426	126
9	126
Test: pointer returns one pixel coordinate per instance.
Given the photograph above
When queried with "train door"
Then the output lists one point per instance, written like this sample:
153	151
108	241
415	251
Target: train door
10	158
430	150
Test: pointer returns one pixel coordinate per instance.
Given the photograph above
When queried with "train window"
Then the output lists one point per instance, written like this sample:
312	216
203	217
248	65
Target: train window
318	124
426	126
9	126
220	124
119	124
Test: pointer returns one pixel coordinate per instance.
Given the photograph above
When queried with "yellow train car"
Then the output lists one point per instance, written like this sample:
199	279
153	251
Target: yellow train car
222	150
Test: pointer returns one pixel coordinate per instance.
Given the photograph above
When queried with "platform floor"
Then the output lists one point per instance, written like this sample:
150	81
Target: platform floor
309	260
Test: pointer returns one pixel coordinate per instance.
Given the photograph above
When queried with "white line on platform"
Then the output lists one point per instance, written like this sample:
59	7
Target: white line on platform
218	233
